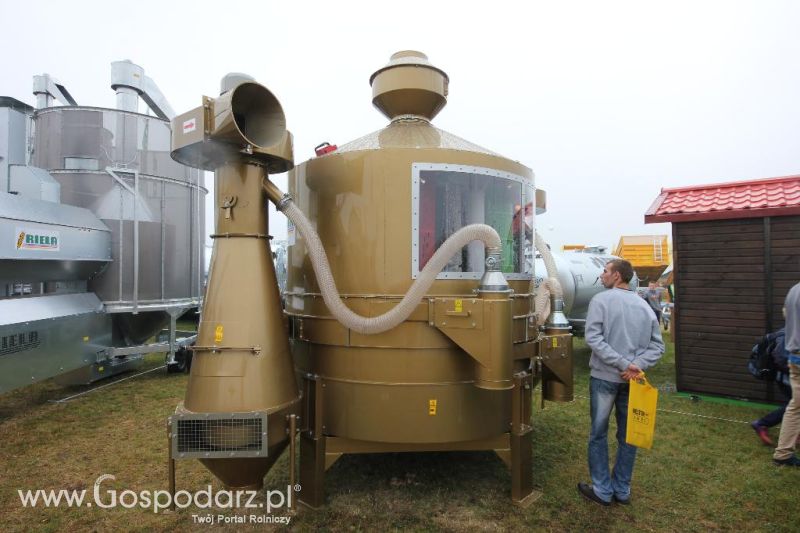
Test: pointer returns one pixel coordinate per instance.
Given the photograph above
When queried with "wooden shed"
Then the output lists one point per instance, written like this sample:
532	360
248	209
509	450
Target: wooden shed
736	253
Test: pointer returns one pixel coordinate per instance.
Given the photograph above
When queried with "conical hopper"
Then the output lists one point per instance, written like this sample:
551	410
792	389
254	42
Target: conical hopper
242	360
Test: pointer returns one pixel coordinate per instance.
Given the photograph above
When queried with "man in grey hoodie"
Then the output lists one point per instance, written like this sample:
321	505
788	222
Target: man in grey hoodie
625	339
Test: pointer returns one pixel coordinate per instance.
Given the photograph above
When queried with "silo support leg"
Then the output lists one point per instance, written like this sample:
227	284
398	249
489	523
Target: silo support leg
312	447
312	471
504	455
170	468
522	491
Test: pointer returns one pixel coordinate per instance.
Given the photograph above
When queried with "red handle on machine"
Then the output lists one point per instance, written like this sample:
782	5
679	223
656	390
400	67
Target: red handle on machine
325	148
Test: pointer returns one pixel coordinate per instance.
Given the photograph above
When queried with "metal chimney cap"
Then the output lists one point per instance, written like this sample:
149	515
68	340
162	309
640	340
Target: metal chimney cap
126	73
409	85
408	58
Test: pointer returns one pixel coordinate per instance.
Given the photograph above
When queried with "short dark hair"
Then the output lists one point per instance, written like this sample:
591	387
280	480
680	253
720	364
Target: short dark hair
624	268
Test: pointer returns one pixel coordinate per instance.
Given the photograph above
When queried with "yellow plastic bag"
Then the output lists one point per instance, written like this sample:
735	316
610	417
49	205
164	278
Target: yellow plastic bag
641	413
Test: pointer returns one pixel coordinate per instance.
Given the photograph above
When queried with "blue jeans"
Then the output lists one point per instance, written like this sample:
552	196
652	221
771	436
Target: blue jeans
774	418
603	395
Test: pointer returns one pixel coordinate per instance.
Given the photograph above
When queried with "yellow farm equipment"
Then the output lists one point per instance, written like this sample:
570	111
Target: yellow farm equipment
649	254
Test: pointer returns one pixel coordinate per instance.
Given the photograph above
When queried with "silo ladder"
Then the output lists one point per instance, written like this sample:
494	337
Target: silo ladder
658	256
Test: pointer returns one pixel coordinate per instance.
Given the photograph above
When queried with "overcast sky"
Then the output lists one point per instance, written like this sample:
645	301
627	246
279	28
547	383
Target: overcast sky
607	102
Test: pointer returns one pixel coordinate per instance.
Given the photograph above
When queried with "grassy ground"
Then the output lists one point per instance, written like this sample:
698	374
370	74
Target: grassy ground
702	474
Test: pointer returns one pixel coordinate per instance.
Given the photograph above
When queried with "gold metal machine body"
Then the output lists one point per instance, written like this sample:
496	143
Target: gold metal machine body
242	389
456	373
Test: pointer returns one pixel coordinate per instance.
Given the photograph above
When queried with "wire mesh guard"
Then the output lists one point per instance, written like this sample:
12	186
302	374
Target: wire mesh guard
218	435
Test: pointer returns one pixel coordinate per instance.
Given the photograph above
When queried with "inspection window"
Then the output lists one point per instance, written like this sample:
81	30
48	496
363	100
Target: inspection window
447	197
81	163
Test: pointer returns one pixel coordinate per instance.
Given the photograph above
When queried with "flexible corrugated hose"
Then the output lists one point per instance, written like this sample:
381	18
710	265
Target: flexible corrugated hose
418	289
550	286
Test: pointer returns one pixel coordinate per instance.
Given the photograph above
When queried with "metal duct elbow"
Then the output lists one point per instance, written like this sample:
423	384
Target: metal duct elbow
248	114
245	122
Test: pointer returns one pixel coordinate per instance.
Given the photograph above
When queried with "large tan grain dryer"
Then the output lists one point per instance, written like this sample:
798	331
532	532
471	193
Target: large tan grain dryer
410	322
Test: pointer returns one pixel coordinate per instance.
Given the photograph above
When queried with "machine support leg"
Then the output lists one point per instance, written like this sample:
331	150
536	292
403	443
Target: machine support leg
292	452
522	491
170	467
312	448
173	333
312	471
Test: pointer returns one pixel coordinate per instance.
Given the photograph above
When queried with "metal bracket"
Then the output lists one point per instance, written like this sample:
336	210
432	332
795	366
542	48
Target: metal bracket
168	346
255	350
240	235
228	204
136	201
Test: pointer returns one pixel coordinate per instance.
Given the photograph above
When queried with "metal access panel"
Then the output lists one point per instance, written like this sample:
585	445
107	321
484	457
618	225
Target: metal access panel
100	370
45	336
218	435
14	131
46	241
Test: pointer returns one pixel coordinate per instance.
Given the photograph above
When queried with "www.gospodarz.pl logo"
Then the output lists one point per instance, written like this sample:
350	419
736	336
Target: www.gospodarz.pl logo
159	500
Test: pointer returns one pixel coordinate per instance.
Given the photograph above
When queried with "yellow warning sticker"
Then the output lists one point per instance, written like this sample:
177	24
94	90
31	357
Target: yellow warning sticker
432	407
218	333
459	306
555	342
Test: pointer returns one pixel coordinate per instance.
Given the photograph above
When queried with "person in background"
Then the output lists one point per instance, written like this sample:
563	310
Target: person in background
777	343
653	297
625	339
666	315
790	427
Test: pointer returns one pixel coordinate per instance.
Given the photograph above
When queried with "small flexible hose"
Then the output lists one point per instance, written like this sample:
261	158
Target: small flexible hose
418	289
550	286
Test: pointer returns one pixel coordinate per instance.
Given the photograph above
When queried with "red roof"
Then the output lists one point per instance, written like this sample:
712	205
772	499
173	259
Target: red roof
736	199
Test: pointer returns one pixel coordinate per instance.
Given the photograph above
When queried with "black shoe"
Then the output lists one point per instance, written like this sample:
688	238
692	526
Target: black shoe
587	492
791	461
622	501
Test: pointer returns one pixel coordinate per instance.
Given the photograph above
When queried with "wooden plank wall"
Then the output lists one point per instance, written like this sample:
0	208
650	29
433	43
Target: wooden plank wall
731	278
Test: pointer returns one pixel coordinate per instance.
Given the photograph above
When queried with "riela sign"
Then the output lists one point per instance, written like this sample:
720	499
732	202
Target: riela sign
33	239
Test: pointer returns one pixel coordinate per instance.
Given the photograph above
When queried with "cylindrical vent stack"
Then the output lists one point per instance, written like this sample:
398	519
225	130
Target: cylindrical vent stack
127	79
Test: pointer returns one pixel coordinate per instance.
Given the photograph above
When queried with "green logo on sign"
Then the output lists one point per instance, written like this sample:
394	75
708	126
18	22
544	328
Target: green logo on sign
44	241
31	240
